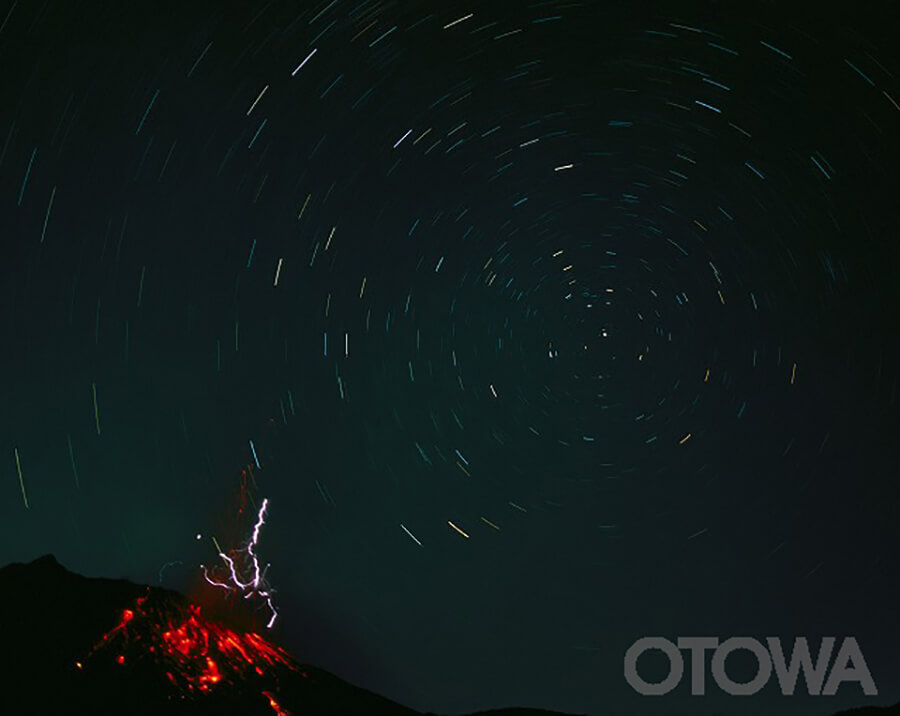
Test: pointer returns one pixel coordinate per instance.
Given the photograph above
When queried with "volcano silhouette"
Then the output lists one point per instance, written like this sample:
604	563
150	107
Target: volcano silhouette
76	645
80	645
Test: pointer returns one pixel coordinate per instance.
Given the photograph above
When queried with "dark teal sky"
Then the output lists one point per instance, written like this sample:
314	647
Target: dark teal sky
554	328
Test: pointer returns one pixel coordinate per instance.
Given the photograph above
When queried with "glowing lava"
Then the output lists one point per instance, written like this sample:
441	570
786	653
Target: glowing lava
199	656
195	654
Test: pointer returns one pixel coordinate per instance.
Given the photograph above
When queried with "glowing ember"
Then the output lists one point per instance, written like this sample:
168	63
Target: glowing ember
274	704
195	654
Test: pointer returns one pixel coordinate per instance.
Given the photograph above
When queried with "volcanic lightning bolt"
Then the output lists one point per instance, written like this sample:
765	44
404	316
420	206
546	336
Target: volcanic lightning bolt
246	560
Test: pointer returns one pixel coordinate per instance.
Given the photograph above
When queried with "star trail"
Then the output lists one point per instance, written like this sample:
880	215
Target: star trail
542	326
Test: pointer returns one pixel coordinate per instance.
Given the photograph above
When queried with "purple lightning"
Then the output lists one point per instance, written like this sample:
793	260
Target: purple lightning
257	586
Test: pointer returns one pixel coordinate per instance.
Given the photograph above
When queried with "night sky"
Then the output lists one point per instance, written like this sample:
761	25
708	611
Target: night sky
552	325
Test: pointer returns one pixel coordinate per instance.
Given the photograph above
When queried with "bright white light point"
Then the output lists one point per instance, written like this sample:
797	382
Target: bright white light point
564	166
493	391
456	22
199	536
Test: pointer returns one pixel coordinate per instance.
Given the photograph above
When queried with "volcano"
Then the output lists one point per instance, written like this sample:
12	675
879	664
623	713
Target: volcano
80	645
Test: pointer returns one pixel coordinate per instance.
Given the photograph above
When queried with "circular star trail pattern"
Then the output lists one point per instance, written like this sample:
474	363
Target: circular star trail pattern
459	273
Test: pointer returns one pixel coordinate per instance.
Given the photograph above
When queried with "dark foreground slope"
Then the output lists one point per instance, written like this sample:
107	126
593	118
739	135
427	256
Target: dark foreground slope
74	645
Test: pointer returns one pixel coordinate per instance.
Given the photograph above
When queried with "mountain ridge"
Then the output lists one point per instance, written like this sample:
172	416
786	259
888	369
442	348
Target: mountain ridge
112	646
